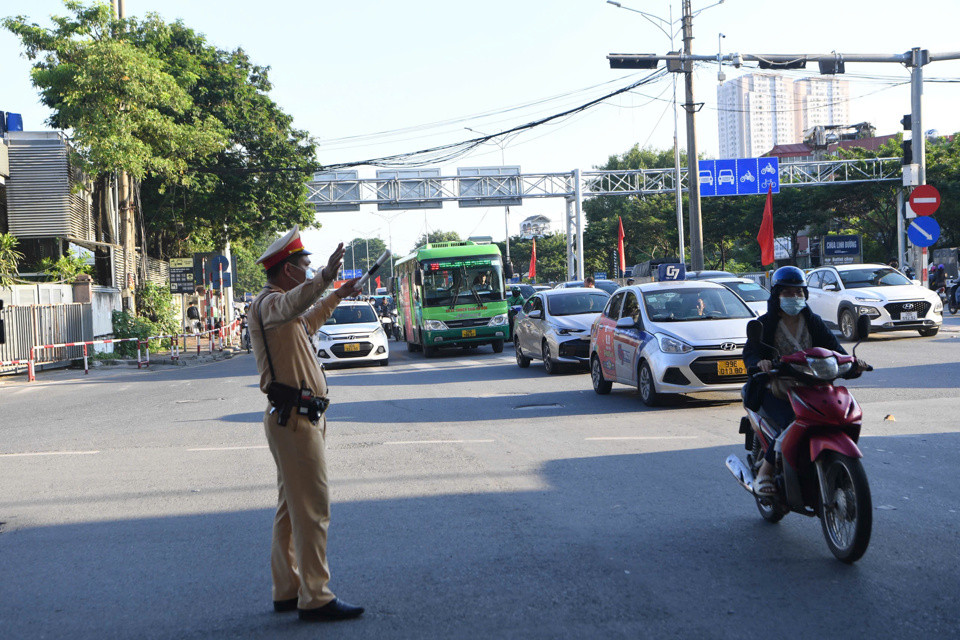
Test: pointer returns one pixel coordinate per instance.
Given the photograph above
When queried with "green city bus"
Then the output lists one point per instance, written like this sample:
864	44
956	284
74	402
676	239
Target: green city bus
451	294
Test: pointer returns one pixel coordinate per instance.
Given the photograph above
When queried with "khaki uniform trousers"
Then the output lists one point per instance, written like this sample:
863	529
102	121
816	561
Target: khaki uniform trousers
298	556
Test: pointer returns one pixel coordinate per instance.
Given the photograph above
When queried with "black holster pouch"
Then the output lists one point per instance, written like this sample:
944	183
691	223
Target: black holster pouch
283	398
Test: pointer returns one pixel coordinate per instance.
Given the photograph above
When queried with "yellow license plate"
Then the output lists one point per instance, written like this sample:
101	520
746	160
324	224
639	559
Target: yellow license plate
352	346
731	368
468	333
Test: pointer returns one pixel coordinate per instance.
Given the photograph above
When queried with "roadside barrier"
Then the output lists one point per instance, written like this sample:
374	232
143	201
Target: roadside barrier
221	334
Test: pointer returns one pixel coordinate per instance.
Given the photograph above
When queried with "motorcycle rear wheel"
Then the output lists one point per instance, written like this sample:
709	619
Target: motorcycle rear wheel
848	519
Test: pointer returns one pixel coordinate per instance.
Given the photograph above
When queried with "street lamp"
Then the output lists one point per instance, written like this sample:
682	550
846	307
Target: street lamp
502	143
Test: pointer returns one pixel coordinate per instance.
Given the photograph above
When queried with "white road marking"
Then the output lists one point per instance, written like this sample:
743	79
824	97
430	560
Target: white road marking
257	446
439	441
48	453
644	438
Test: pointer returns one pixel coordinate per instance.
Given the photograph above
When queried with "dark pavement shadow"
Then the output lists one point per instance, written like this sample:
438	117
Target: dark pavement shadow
641	545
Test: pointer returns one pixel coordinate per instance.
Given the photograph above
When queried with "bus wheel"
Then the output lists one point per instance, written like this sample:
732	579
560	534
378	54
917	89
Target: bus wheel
498	346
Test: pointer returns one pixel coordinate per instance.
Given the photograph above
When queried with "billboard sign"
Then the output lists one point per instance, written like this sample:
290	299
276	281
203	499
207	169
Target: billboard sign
739	176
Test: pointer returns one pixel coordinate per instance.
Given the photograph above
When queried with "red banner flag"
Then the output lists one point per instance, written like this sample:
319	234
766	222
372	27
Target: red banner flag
378	282
623	264
533	261
765	237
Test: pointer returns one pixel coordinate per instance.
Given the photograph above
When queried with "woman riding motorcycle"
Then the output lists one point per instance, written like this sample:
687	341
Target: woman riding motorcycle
790	326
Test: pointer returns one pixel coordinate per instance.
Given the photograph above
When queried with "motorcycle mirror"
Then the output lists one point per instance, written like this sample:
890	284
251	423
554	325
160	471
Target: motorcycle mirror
754	330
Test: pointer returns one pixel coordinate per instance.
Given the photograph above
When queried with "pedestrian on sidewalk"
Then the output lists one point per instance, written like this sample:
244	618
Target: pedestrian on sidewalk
282	319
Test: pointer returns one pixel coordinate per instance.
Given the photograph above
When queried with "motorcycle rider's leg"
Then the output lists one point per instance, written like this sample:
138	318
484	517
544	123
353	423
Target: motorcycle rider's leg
781	414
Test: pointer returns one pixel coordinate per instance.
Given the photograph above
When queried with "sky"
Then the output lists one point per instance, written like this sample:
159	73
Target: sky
424	69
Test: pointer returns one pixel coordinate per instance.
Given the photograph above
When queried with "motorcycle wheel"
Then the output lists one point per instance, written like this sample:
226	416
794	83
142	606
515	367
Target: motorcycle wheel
848	518
768	512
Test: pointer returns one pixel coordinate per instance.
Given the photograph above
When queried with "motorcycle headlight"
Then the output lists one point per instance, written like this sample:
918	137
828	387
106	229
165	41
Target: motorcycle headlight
824	368
434	325
669	344
497	321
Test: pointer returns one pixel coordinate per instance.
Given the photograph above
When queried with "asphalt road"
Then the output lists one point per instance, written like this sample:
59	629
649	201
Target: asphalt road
471	499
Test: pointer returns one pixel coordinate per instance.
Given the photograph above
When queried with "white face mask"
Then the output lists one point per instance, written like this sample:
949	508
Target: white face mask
792	306
309	273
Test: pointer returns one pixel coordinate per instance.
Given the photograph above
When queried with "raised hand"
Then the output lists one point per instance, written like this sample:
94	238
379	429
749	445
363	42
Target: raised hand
333	264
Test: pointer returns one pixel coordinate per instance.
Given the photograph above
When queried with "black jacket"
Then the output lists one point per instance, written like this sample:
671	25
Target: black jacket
821	336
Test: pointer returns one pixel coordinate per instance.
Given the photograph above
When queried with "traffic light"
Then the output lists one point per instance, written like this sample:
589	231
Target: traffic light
907	122
907	146
832	67
633	60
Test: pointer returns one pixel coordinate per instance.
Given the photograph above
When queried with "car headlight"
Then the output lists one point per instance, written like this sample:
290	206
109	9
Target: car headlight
434	325
938	307
870	312
497	321
323	336
378	331
669	344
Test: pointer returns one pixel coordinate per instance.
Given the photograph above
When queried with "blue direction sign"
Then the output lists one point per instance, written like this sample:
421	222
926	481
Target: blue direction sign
738	177
923	231
349	274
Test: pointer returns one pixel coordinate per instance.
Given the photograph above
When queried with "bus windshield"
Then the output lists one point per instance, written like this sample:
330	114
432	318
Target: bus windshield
452	281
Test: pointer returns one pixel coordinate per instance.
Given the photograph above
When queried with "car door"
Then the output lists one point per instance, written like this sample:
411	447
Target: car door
831	294
626	340
603	343
815	292
534	327
522	324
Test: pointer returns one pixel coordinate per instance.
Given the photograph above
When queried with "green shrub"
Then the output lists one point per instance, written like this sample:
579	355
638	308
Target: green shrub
128	326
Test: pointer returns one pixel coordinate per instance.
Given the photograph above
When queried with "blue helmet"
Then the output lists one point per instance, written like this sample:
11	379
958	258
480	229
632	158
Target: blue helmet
788	277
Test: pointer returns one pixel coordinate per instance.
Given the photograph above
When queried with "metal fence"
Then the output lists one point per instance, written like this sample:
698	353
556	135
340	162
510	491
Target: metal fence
31	325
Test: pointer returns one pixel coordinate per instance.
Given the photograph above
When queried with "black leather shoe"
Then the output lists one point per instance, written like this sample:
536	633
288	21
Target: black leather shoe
334	610
280	606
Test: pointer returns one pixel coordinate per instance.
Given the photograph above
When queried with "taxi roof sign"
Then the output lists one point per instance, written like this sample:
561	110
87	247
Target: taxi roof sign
674	271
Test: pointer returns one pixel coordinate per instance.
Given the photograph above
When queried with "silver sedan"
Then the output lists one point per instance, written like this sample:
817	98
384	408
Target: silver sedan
554	326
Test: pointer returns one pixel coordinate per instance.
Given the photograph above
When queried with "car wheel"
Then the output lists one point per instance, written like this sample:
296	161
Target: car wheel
600	385
646	387
926	333
549	365
498	346
522	361
848	325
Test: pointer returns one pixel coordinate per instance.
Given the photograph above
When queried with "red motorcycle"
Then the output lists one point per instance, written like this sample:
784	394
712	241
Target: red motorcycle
818	470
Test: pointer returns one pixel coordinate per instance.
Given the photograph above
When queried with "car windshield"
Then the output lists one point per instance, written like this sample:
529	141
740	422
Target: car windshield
575	303
749	291
872	277
352	314
680	305
452	281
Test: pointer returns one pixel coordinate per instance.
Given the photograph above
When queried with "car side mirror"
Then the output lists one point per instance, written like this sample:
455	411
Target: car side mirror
754	330
626	323
535	315
831	287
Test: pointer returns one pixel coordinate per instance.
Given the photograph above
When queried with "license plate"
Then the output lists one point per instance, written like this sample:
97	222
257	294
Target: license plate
468	333
731	368
352	346
908	315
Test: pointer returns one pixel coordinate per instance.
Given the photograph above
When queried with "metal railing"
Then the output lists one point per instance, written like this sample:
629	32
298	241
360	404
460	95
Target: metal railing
27	326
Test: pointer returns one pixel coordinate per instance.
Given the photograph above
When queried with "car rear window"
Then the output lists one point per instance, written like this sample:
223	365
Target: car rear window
749	291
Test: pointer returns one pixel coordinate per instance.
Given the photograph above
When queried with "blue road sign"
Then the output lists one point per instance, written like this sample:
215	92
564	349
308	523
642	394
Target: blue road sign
739	177
349	274
923	231
216	261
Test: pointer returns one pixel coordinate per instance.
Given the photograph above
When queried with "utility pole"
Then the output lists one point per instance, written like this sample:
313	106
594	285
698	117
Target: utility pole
127	218
693	175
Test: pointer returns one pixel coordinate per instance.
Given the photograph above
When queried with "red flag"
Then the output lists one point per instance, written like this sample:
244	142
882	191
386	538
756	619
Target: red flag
765	237
533	261
623	264
378	282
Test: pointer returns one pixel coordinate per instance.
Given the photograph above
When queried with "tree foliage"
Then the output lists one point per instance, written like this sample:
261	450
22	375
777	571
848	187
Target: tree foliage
436	236
9	259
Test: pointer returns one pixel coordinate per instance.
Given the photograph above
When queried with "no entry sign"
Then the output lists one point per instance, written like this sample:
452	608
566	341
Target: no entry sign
924	200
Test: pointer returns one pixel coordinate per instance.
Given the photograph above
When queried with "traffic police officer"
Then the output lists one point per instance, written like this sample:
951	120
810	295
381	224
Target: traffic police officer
281	321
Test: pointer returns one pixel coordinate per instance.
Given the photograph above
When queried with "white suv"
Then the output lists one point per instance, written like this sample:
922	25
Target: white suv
840	293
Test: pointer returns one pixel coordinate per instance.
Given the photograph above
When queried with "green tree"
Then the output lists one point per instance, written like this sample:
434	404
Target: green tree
9	259
356	257
551	256
66	268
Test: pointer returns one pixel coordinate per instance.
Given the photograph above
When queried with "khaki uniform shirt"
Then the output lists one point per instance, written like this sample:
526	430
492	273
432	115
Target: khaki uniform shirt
289	319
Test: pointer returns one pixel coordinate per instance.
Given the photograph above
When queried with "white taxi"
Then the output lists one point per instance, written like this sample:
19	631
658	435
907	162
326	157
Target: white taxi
670	337
353	334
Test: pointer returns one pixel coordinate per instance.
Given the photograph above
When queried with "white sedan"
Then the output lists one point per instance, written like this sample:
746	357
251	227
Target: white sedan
753	294
554	326
353	334
670	337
